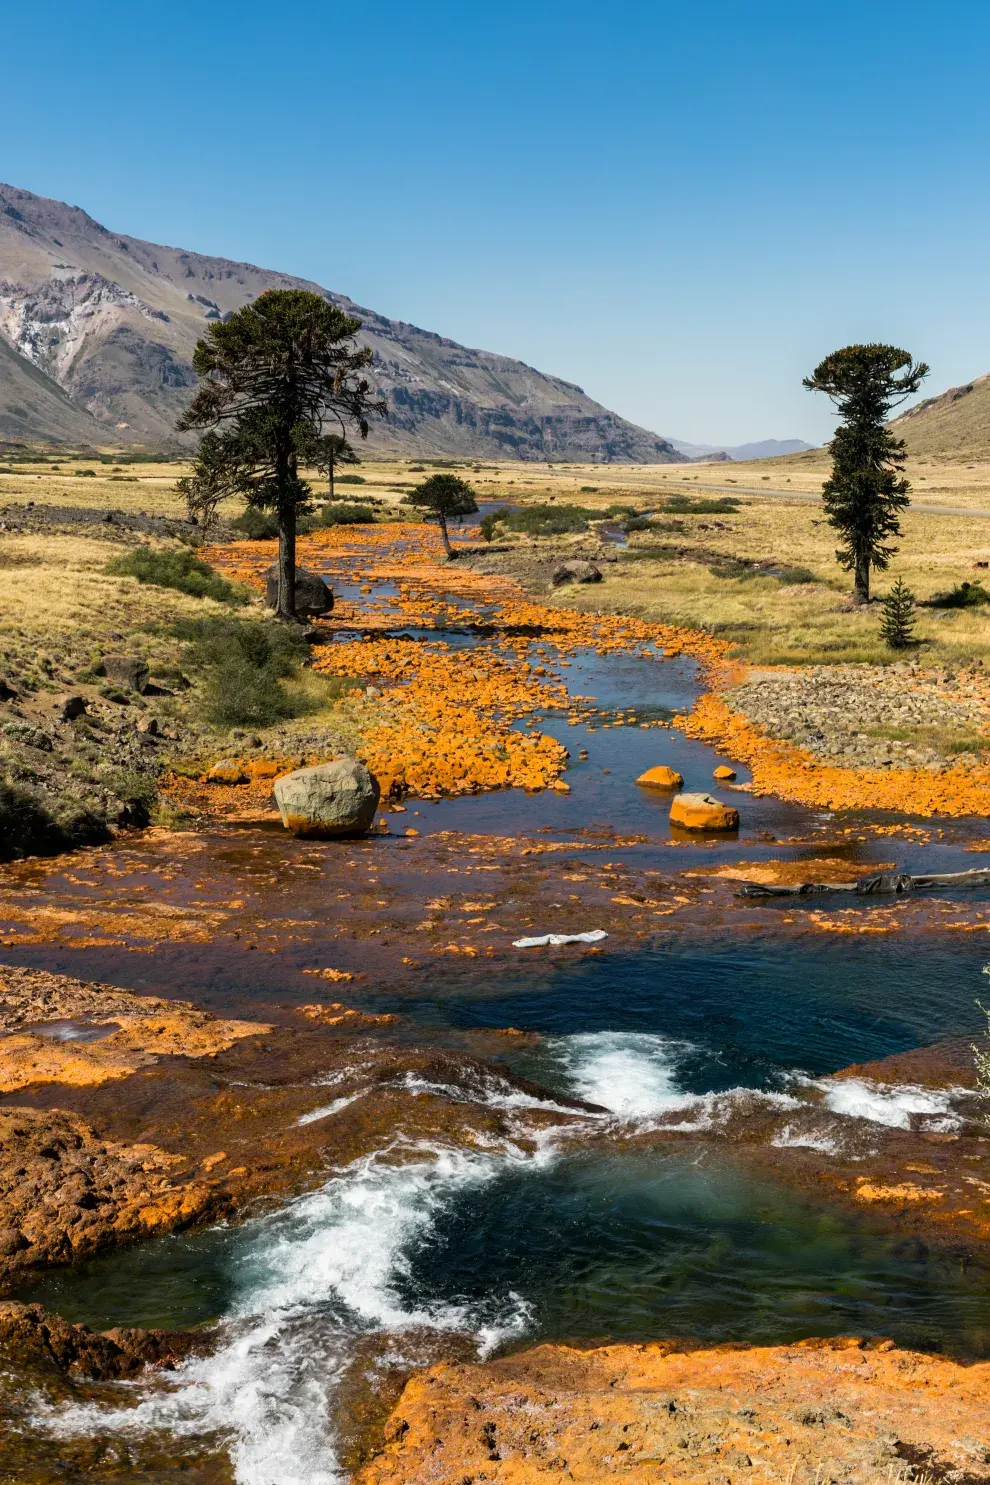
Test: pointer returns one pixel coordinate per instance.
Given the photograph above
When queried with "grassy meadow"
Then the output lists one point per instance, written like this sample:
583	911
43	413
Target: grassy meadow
681	573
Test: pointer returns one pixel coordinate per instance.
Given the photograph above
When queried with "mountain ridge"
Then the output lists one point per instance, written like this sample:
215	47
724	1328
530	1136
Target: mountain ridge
111	321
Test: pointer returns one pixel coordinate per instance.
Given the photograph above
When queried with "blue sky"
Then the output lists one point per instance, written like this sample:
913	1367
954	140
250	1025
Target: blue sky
680	207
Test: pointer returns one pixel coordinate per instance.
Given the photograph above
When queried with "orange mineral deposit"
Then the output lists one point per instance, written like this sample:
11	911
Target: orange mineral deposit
702	812
661	777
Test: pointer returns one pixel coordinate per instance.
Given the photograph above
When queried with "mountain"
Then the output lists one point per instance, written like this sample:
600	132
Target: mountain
956	424
766	448
111	322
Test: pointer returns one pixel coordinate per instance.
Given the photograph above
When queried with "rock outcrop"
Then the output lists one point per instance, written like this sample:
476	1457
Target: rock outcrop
313	595
576	571
33	1338
329	799
702	812
845	1409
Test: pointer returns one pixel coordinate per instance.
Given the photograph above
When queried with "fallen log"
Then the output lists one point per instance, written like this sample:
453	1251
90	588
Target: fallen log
879	883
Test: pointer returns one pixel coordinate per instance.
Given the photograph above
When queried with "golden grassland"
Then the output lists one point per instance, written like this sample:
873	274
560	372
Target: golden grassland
769	622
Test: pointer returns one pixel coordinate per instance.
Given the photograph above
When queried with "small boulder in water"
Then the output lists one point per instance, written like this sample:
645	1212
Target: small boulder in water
724	772
329	799
702	812
661	777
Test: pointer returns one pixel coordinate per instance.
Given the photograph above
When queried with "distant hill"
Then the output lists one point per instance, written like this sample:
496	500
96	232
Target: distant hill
955	424
110	322
767	448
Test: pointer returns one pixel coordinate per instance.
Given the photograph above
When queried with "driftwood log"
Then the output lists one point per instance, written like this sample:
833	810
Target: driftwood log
879	883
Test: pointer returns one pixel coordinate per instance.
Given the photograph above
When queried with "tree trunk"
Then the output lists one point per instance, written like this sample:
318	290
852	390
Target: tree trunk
862	580
285	469
286	608
330	470
446	539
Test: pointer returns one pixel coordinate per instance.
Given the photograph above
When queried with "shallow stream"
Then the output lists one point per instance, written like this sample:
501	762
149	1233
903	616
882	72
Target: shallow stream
536	1237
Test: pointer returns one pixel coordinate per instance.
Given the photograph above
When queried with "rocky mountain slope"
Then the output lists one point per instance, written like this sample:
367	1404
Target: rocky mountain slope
955	424
111	321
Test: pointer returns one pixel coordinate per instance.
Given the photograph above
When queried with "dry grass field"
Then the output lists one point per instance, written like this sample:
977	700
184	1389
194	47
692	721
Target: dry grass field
665	575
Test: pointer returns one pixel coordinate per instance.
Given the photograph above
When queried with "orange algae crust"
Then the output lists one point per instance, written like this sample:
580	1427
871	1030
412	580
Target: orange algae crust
444	725
790	772
141	1029
849	1409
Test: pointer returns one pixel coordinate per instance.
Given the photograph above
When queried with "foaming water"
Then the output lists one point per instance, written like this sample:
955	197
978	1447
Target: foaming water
630	1073
309	1279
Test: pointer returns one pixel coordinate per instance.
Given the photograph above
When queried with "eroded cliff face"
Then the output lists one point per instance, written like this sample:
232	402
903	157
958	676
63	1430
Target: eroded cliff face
810	1412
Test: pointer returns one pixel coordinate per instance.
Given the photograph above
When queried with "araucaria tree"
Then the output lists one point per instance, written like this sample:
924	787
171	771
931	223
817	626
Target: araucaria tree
866	491
897	620
330	451
273	375
444	497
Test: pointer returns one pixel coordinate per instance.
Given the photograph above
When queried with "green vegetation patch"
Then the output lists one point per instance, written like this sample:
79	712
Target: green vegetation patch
182	570
684	505
241	666
547	520
963	595
29	828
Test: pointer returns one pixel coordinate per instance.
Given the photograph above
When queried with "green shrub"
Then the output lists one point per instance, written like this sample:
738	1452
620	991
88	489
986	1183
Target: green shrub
794	575
349	479
344	515
256	525
85	474
29	828
683	505
240	666
548	520
635	524
963	595
182	570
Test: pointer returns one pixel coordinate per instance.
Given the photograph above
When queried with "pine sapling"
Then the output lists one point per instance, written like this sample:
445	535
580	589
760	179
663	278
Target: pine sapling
897	619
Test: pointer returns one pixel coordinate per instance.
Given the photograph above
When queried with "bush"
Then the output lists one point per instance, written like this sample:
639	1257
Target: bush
256	525
548	520
964	595
240	666
344	515
794	575
349	479
181	570
682	505
29	828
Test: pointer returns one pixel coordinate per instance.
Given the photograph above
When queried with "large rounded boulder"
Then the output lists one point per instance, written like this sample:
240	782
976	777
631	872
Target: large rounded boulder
576	571
314	596
702	812
329	799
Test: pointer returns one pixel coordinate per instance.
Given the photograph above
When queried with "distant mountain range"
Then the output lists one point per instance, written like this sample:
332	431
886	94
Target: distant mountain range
767	448
97	331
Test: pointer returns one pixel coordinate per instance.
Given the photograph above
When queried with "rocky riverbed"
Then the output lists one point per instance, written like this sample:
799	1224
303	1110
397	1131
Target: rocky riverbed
860	716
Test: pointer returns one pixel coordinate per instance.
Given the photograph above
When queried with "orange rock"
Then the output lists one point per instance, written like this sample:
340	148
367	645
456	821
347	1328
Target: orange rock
702	812
724	772
227	771
661	777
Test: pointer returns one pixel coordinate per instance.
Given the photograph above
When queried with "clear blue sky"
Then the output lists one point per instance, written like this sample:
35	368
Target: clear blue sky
681	207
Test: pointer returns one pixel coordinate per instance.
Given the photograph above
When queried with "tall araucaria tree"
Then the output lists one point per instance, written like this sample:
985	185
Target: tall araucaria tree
444	497
866	490
273	375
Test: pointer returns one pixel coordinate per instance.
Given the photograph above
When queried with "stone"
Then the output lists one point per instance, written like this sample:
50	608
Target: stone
702	812
724	772
313	594
7	692
575	571
660	777
328	799
148	725
227	771
127	670
72	707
